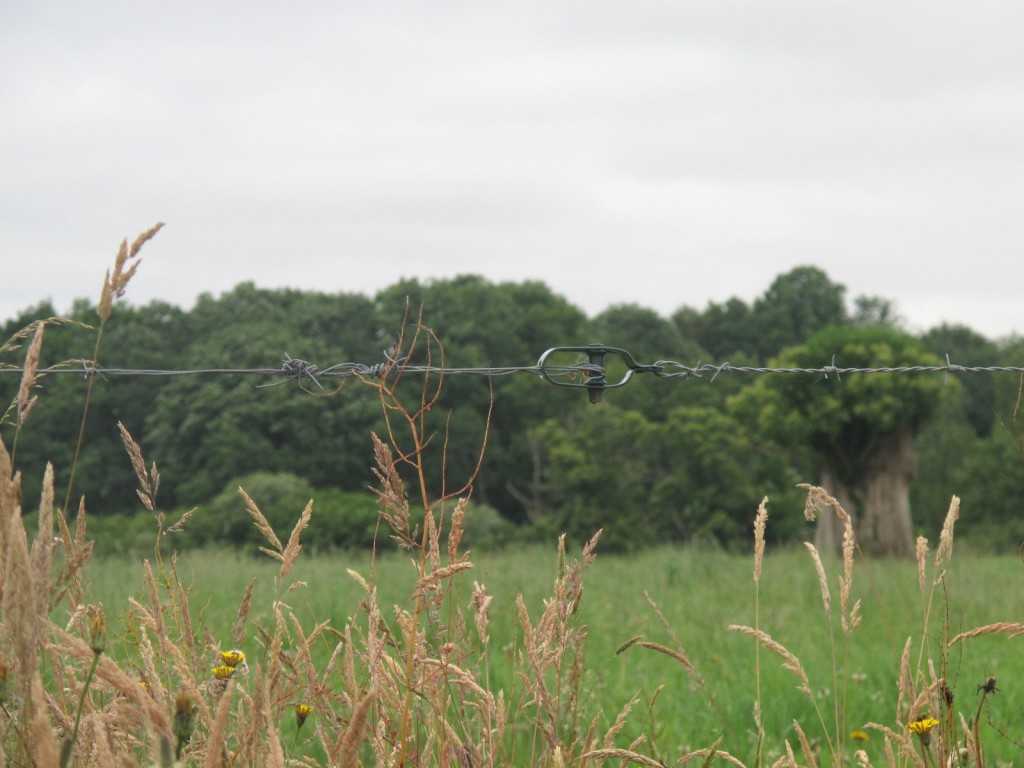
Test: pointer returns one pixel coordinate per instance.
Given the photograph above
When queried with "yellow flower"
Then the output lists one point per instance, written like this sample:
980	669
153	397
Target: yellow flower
223	672
859	735
302	711
232	658
922	727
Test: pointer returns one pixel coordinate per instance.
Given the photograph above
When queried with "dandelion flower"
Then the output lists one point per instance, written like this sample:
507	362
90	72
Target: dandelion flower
859	735
223	672
302	711
232	658
922	727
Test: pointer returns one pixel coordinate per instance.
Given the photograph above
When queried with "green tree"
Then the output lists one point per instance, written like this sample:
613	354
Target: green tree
711	475
144	337
597	473
796	305
858	429
649	338
964	346
695	474
727	331
206	430
876	310
480	324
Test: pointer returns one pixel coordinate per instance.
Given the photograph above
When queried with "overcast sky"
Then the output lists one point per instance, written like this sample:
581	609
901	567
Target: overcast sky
660	153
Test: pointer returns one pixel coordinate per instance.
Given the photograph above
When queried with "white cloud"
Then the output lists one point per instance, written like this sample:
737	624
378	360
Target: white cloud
656	153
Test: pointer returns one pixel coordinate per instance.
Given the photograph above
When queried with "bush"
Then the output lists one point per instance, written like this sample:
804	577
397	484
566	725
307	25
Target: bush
342	520
280	496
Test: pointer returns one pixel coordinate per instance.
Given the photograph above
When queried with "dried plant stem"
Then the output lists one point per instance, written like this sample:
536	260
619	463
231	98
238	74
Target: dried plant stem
760	521
69	745
113	287
85	418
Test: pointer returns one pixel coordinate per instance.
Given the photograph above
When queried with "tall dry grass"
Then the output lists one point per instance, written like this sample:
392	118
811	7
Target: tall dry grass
408	684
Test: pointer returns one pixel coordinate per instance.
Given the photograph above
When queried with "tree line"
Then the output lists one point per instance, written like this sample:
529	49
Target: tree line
658	460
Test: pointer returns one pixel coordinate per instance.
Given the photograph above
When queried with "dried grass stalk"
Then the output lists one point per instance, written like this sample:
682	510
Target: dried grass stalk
455	534
238	628
291	551
430	580
945	549
43	738
622	754
215	746
42	547
826	596
263	525
709	754
479	604
677	655
789	661
346	751
149	482
921	555
115	283
759	524
789	760
805	746
394	505
905	684
29	377
1008	628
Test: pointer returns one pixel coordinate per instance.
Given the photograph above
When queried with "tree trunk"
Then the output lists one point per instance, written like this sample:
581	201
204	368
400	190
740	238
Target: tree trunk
879	504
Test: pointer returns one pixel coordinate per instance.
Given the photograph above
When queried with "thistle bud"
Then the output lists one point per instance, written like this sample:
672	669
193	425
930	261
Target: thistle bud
184	720
97	630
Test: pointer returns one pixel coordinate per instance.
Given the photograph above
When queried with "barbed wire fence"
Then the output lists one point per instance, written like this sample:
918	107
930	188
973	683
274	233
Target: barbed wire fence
591	375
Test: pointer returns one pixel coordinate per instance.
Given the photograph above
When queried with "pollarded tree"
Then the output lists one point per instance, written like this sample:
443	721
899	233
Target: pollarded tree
857	429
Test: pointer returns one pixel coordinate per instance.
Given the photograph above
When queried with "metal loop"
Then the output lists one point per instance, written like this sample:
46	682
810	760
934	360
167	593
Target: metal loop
594	375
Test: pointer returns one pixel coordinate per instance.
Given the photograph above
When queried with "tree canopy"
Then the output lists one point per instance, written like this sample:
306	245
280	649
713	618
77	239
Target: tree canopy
659	460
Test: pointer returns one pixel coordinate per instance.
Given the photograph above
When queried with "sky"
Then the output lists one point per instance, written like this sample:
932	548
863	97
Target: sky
665	154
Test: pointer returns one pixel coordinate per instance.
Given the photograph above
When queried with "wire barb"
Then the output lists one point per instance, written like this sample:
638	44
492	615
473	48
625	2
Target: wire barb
295	369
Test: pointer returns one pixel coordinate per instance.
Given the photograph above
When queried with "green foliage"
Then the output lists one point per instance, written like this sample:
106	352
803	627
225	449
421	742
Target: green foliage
700	591
696	474
482	324
206	432
650	337
280	496
713	474
991	477
727	331
796	305
843	422
963	346
342	520
597	473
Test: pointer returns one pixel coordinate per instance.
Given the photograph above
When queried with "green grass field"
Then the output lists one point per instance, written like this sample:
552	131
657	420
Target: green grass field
700	594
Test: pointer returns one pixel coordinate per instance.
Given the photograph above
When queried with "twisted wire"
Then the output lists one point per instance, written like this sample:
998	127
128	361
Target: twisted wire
294	369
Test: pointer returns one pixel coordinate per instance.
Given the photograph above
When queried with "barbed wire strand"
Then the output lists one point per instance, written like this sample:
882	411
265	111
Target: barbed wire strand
293	369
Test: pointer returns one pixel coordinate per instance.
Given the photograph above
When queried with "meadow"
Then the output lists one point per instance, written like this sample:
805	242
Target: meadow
424	653
699	593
